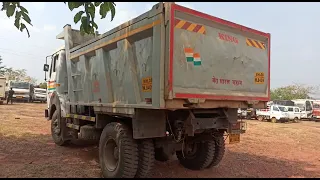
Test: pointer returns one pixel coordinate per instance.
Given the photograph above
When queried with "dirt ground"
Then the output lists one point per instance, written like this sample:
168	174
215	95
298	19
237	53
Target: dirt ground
266	150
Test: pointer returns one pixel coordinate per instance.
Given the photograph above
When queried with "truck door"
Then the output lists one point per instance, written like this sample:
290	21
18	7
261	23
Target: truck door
51	85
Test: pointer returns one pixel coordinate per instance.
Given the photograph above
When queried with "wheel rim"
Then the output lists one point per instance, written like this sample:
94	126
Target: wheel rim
273	120
111	155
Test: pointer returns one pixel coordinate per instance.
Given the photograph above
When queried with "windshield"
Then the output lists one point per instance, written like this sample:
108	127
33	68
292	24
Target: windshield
283	109
301	106
316	106
20	85
40	91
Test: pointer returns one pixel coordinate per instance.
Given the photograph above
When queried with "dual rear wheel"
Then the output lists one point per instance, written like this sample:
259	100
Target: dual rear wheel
121	156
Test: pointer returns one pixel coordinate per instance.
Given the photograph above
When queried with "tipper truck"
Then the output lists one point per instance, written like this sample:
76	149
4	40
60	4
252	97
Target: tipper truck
167	82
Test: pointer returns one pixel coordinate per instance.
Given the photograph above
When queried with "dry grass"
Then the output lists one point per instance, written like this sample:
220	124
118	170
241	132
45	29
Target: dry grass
266	150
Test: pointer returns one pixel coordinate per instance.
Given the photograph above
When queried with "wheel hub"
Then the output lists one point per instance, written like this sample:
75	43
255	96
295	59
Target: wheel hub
111	155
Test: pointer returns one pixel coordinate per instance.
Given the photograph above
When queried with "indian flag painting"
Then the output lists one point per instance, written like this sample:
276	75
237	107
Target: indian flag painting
192	57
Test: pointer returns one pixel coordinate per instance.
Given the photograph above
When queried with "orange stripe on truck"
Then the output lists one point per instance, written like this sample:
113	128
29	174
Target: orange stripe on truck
192	27
188	50
256	44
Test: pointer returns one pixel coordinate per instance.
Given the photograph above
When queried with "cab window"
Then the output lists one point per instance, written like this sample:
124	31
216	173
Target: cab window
53	64
296	110
290	109
275	108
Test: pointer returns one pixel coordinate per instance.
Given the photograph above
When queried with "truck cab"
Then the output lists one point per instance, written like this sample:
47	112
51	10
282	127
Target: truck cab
23	90
316	110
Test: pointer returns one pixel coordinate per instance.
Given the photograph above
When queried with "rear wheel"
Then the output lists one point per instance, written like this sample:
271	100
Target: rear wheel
56	129
219	149
260	118
197	156
118	152
146	158
296	120
273	120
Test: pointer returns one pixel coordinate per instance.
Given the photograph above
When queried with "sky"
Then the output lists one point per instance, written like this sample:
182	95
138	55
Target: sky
294	29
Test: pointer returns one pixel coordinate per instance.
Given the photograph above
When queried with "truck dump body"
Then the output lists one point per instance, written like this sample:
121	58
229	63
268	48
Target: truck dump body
166	54
214	59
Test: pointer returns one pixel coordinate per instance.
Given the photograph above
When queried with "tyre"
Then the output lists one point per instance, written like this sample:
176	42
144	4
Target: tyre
118	152
197	156
146	158
219	150
273	120
260	118
56	130
296	120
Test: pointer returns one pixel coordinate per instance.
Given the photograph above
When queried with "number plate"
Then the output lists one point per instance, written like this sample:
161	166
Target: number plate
234	138
19	97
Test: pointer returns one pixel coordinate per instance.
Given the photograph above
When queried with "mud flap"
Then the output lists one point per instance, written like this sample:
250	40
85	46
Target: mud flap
235	130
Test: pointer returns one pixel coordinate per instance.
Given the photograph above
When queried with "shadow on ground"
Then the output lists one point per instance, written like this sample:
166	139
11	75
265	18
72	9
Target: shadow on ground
37	156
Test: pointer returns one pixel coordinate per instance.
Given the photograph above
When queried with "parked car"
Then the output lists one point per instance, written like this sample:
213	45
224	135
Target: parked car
294	113
274	113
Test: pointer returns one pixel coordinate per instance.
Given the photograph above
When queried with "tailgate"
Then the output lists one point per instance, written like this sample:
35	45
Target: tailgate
211	58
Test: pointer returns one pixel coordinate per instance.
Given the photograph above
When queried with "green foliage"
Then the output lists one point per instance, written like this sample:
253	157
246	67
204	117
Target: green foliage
13	74
296	91
43	85
21	15
86	16
2	68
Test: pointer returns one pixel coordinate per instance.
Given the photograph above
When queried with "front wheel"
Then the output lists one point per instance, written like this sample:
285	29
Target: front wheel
273	120
56	129
118	152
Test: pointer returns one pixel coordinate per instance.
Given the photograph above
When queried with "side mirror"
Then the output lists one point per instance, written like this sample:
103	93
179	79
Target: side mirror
46	67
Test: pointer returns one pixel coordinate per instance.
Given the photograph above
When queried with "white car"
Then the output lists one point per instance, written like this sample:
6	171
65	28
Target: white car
39	95
294	113
274	113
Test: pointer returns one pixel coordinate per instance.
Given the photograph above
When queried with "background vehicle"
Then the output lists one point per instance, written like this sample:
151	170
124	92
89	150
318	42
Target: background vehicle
246	113
305	106
316	110
274	113
2	89
39	94
283	102
23	91
242	112
152	88
294	113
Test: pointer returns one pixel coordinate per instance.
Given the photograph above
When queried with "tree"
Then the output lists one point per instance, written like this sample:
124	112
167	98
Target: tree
2	68
43	85
15	74
87	15
296	91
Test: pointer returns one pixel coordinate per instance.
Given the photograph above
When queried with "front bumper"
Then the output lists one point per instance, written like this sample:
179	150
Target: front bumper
40	99
22	98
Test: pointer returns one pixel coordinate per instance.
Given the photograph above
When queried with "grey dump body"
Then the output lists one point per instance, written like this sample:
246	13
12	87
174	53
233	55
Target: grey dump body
167	58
